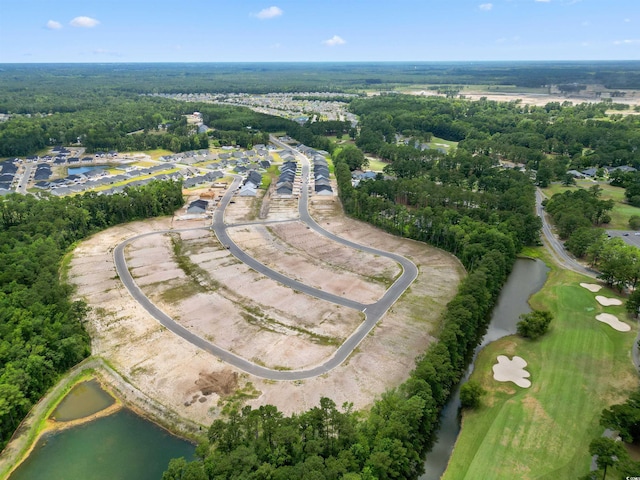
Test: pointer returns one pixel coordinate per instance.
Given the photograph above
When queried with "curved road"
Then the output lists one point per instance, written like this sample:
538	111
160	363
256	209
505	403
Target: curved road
555	246
373	312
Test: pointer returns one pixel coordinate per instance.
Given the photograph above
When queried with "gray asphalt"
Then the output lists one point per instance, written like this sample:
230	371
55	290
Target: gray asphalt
373	312
555	246
24	180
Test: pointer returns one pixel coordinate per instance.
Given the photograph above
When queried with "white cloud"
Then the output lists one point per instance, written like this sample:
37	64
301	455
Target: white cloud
271	12
486	6
543	1
586	23
53	25
84	22
627	20
628	41
334	41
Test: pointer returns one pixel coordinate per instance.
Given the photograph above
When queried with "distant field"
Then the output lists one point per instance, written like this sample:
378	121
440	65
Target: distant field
621	211
156	154
377	165
439	142
578	368
476	88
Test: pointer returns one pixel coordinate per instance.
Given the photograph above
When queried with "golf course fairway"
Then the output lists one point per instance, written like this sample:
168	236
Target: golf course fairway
579	367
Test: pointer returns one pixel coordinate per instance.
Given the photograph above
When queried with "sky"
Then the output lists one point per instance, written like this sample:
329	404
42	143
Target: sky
87	31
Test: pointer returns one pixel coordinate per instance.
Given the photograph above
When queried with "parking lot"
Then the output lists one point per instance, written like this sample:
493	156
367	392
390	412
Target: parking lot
630	237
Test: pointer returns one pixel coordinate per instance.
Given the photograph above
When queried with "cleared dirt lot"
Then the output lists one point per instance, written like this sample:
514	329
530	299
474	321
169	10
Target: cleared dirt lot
194	279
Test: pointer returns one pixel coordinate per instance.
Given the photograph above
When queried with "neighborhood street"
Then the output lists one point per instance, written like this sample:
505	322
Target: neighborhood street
555	246
373	312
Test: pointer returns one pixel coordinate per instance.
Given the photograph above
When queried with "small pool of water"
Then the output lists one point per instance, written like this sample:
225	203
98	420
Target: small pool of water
121	446
79	170
84	399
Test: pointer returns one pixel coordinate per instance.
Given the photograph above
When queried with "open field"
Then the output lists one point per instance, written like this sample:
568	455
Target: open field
621	211
529	96
441	142
195	279
578	368
375	164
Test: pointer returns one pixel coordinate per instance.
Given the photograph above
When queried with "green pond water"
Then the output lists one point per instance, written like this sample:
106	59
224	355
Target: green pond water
84	399
120	446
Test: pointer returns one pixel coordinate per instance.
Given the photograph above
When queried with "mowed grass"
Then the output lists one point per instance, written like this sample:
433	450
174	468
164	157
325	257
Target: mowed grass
440	142
621	211
578	368
376	165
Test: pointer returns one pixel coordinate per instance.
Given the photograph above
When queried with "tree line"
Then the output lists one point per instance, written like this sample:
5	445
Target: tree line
41	328
550	139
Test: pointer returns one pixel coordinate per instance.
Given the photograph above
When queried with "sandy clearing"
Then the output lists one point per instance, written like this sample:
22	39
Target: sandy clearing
613	321
507	370
607	302
338	273
540	100
168	368
592	287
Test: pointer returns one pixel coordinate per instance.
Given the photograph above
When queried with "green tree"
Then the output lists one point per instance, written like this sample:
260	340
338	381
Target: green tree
624	418
632	304
535	324
608	452
471	394
568	180
634	222
353	157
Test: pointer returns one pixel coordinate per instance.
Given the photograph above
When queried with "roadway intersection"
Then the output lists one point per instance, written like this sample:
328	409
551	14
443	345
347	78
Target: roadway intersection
373	312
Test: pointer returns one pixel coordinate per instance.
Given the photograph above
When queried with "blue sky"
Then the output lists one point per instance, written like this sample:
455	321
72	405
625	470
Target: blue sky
317	30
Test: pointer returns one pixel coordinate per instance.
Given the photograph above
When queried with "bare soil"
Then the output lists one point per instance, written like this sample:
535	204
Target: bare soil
231	305
632	97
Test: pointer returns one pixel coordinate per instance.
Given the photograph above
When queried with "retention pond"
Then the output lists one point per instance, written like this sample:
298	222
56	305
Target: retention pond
122	445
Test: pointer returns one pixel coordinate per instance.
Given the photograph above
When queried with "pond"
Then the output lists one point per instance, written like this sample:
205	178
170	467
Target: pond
526	278
84	399
122	445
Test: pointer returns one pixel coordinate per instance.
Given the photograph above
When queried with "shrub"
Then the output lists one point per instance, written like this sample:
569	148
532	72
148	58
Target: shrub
535	324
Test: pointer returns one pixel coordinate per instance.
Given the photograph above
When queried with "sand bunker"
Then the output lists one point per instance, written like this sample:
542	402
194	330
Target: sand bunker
511	371
592	287
613	321
607	302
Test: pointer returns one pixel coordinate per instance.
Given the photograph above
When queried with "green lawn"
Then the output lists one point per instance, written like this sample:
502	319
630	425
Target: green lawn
578	368
441	142
621	211
377	165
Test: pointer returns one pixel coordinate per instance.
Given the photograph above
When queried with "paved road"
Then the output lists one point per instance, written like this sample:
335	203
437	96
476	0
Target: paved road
373	312
26	176
555	246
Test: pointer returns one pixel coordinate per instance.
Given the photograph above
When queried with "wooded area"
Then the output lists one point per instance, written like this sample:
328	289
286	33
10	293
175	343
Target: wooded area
41	328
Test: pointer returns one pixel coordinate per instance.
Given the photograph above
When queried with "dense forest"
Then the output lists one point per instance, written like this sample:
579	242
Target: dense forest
32	88
133	123
102	107
41	329
550	139
456	202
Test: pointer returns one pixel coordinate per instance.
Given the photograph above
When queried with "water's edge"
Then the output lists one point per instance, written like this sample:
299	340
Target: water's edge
527	277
